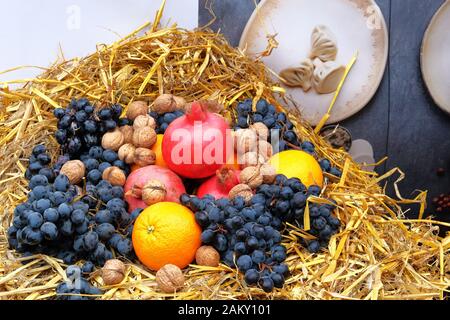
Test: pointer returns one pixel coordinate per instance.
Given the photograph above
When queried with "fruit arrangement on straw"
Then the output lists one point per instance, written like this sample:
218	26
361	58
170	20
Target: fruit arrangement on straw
90	189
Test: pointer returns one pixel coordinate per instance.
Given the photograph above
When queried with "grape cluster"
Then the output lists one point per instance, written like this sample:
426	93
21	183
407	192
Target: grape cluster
286	200
73	223
80	127
246	235
77	287
39	163
163	120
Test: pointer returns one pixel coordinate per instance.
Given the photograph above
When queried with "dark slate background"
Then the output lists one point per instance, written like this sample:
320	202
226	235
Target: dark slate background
402	120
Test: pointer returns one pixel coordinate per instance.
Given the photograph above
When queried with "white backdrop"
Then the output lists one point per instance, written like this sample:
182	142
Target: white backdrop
31	31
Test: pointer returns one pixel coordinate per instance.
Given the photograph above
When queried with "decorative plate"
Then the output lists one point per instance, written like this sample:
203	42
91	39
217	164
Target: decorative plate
435	57
358	25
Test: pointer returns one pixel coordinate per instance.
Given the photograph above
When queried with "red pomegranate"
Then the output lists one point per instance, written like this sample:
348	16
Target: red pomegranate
197	144
139	178
219	185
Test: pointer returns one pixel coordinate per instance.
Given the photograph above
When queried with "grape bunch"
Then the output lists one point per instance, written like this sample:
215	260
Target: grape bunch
163	120
39	163
80	127
77	287
247	237
286	200
71	222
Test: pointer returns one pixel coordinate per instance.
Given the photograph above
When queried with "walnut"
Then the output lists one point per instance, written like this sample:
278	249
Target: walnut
136	109
153	191
265	149
113	272
261	130
268	173
115	176
207	256
74	170
126	153
245	141
251	176
170	278
127	132
144	137
168	103
113	140
241	190
144	157
144	121
251	159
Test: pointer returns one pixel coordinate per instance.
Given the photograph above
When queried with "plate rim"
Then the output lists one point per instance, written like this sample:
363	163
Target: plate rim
377	81
425	41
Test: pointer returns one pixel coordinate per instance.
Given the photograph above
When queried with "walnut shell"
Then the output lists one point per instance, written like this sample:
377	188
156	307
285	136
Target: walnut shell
265	149
154	191
251	176
144	157
246	141
115	176
74	170
207	256
268	173
126	153
127	132
170	278
113	272
241	190
137	108
113	140
213	106
144	137
251	159
168	103
261	130
144	121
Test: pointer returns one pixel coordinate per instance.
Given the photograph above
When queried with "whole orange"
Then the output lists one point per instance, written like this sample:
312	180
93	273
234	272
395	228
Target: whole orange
157	149
298	164
166	233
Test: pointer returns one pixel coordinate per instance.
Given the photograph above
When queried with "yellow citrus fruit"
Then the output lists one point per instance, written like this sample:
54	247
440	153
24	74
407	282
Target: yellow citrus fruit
166	233
157	149
298	164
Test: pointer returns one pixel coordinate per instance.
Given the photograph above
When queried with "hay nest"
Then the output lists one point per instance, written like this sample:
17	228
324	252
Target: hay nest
376	255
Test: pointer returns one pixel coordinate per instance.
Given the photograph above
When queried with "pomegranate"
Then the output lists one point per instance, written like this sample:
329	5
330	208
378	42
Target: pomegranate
139	178
219	185
197	144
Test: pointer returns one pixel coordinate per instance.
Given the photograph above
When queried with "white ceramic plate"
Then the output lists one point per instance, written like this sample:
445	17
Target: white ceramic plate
358	25
435	58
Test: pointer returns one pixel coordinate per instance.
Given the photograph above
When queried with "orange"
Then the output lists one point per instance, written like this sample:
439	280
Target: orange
298	164
166	233
157	149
